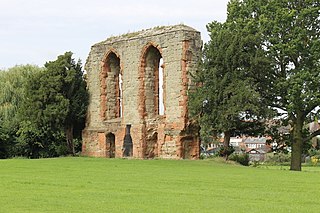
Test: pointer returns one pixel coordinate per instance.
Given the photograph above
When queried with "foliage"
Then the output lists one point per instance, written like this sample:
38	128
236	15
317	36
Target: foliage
291	39
314	156
278	49
12	83
39	142
42	108
228	99
225	151
314	152
242	158
12	94
290	31
278	159
280	136
3	143
56	105
314	160
7	139
72	89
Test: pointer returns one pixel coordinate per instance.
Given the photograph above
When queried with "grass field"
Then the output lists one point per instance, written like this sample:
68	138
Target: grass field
122	185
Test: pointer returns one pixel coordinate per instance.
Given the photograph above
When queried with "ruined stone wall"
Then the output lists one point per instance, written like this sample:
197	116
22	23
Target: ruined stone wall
123	82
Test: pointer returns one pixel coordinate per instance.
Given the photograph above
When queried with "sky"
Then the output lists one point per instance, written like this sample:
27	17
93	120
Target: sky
37	31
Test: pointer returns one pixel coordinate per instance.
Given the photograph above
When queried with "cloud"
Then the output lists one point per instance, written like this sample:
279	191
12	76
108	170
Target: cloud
50	27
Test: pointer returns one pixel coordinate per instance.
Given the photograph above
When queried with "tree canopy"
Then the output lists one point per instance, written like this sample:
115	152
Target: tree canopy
228	100
42	110
290	32
277	42
57	102
12	94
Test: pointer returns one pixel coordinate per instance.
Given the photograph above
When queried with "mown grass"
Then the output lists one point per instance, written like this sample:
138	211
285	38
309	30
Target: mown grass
122	185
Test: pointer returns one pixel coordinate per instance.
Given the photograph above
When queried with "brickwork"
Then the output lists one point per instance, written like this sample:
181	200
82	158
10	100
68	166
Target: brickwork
123	82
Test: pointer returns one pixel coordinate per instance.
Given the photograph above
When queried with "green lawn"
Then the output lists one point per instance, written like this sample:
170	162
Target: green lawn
122	185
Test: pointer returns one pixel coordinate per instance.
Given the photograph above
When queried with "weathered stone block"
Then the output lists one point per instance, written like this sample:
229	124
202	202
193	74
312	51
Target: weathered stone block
127	75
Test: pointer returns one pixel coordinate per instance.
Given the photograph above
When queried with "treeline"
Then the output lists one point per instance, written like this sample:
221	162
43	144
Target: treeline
42	109
261	64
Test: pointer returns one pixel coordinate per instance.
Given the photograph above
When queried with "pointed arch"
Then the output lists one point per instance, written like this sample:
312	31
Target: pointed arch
150	84
111	86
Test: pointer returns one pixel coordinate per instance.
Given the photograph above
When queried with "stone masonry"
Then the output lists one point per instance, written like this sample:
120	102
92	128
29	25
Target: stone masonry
138	84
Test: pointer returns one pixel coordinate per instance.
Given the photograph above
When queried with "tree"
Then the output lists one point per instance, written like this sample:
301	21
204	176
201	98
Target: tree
289	32
73	89
56	101
12	93
227	100
3	143
12	83
292	32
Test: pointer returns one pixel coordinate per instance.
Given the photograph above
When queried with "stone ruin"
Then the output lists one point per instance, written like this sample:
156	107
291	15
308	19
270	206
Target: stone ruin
138	84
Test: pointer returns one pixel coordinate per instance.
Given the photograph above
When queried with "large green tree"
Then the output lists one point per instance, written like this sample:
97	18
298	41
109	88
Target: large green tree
289	36
291	32
55	108
12	84
12	94
227	100
73	89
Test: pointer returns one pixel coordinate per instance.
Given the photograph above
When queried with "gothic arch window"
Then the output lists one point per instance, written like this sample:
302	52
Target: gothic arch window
111	88
152	73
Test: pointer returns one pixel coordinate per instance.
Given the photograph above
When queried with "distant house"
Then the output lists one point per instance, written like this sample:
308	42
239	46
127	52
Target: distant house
256	155
255	142
236	141
256	147
314	126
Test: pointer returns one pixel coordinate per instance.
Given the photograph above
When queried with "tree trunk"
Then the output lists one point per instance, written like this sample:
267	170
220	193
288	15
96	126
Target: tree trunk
69	137
226	139
226	144
296	152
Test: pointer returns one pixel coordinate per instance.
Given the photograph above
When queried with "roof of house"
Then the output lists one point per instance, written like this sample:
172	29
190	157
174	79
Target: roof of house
261	140
255	151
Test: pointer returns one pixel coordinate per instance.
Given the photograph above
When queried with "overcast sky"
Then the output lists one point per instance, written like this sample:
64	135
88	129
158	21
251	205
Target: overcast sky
36	31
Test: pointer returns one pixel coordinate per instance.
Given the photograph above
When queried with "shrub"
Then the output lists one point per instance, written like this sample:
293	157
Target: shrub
225	151
314	160
313	157
278	158
314	152
243	159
